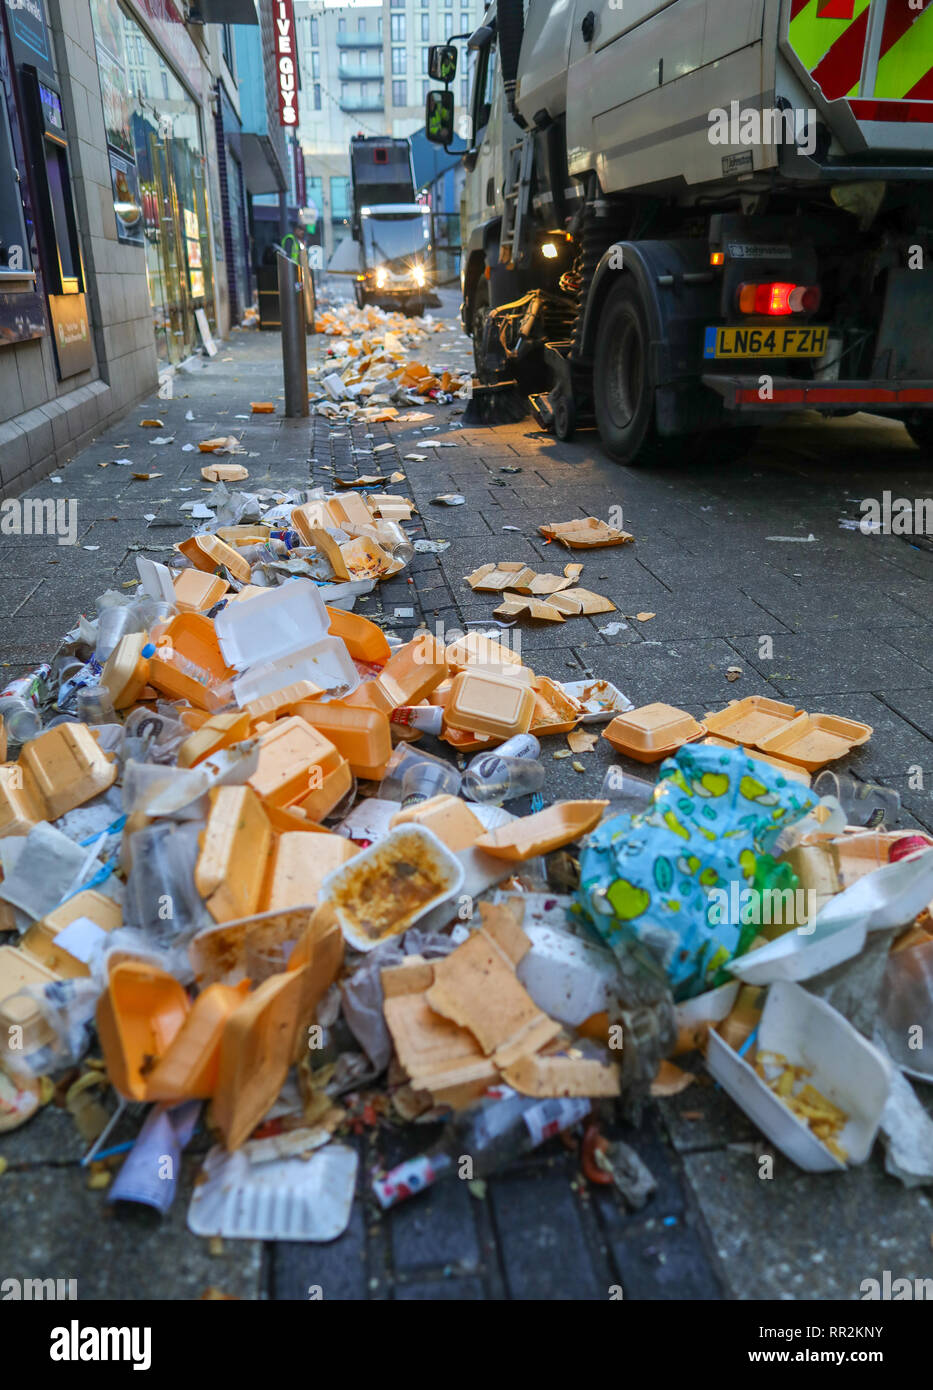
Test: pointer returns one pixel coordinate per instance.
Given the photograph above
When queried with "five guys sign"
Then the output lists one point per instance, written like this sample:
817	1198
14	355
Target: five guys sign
286	67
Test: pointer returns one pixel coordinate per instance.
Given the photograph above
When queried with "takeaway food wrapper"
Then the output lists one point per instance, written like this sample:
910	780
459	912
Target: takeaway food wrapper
647	881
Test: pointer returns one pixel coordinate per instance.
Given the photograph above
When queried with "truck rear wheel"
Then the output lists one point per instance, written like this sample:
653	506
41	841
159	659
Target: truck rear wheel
623	389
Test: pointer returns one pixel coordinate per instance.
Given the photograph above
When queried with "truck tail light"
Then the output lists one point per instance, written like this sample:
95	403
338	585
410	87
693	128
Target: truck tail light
777	299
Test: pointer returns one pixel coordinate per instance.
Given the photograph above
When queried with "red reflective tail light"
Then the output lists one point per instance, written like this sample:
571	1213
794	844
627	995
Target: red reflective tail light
777	299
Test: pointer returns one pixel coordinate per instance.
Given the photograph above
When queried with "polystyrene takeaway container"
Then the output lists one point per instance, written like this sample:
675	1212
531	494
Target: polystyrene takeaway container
272	625
844	1067
327	664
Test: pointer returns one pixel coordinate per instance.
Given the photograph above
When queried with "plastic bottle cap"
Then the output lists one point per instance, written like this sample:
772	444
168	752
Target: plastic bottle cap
148	650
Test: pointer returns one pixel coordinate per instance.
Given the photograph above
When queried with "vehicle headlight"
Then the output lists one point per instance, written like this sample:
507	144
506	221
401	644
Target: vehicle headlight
419	276
381	278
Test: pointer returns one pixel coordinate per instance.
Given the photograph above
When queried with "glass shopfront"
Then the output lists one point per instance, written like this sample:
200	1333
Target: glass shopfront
167	164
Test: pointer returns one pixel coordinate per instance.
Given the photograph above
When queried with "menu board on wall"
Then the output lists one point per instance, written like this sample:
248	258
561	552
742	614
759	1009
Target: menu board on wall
29	36
107	19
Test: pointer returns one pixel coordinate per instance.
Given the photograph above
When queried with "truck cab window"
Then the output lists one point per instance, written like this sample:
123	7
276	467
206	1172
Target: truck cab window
484	88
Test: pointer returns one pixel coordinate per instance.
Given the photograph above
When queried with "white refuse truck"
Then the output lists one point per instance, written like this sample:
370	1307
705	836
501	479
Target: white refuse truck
687	217
394	264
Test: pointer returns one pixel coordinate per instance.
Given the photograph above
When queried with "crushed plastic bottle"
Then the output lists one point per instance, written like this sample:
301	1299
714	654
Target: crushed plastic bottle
492	1134
161	897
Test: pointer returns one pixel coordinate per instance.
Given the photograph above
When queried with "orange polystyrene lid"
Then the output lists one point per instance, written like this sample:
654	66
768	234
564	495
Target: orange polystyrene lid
255	1054
126	670
196	591
189	1069
138	1015
362	735
234	849
652	727
365	641
812	740
449	817
488	704
748	721
287	753
547	830
67	767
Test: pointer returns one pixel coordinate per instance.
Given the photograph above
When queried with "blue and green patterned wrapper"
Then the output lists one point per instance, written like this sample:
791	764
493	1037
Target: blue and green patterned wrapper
645	880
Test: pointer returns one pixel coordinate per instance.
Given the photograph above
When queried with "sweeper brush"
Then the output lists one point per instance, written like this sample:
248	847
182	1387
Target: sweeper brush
501	404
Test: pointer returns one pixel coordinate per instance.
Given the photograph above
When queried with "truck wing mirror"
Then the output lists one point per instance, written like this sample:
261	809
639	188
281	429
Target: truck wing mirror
442	62
439	117
480	37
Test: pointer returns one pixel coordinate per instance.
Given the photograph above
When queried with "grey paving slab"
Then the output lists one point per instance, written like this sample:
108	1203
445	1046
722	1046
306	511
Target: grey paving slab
678	671
440	1230
809	1236
543	1249
54	1227
916	707
836	662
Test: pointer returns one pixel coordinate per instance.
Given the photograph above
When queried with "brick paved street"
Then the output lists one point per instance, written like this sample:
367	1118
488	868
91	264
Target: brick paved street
851	621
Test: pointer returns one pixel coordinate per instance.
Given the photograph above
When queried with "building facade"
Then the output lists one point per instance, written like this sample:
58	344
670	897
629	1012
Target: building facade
113	251
364	70
409	29
342	94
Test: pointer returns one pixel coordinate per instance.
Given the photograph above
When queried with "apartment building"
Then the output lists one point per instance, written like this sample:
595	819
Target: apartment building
342	94
409	28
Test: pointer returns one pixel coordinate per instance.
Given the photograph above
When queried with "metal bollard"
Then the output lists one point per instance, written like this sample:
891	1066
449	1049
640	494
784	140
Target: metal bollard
294	344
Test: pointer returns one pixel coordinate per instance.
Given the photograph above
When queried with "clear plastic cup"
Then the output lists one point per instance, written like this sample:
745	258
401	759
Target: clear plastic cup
404	756
113	624
492	779
865	803
425	780
20	718
625	791
95	706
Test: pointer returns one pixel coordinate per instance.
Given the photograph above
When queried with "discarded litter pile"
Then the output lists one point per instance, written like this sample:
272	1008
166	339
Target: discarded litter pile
225	852
370	366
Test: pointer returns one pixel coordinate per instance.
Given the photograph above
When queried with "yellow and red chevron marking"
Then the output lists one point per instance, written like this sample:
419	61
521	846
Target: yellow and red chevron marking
829	38
905	68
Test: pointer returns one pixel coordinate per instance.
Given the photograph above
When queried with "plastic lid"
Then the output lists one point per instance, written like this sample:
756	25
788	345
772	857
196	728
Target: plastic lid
653	726
272	625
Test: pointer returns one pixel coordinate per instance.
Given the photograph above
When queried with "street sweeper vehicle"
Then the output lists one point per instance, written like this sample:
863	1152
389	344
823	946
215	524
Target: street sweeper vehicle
392	232
689	217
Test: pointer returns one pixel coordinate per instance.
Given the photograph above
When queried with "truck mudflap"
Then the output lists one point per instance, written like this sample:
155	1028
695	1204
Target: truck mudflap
748	393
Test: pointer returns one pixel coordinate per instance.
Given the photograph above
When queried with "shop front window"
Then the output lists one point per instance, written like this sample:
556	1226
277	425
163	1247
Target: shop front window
162	126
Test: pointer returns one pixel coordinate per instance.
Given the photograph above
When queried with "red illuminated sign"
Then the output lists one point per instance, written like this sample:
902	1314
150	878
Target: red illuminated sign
286	65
